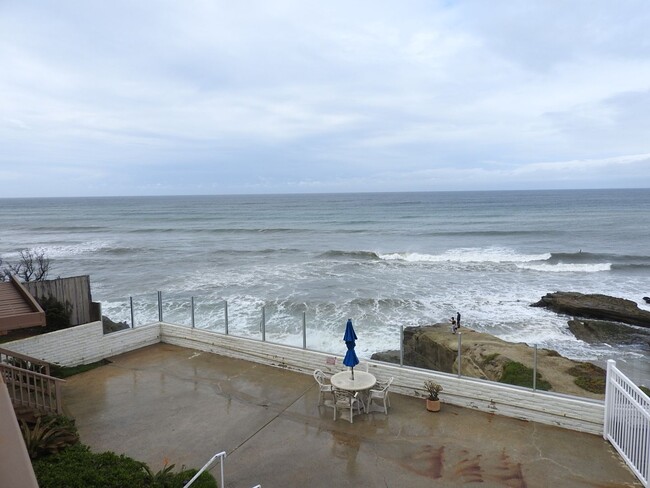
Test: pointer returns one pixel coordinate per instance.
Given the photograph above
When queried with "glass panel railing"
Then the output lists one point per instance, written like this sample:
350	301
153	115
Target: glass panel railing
144	309
320	327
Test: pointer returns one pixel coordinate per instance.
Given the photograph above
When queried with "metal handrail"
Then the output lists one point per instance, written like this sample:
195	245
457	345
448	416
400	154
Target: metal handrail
207	466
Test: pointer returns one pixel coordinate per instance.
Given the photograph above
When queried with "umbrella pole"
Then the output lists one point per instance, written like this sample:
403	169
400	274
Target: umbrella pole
352	373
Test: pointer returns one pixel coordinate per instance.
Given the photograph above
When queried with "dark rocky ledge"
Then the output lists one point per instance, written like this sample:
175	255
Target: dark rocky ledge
110	326
594	306
600	331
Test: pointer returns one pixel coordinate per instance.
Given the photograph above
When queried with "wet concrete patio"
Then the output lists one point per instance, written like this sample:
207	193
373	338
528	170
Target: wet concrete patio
166	403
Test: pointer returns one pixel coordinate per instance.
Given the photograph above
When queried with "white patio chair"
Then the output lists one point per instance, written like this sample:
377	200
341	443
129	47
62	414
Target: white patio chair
346	400
379	393
323	387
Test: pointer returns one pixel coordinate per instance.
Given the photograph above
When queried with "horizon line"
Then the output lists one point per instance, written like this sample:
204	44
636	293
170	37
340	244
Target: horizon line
321	193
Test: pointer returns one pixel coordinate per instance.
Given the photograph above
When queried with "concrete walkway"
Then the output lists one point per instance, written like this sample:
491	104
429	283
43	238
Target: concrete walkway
169	403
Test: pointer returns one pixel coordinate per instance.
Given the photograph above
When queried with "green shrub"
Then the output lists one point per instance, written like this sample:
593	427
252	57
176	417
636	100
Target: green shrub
57	314
645	390
206	480
77	467
48	434
515	373
167	479
589	377
594	385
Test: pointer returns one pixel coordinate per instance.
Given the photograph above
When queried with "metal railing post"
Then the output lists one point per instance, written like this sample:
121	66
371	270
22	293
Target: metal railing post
263	324
460	354
225	313
132	318
192	312
401	345
160	313
304	330
535	368
221	464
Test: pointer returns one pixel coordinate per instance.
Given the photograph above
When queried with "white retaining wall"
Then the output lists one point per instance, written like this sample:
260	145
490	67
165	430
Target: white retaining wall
573	413
85	344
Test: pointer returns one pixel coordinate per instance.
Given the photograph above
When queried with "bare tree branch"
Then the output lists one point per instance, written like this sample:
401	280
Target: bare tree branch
42	266
33	266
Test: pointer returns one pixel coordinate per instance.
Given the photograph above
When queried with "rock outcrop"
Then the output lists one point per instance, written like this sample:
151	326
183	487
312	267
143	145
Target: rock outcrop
485	356
594	306
110	326
600	331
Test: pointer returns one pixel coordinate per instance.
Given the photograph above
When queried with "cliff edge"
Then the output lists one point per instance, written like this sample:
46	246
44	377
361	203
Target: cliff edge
488	357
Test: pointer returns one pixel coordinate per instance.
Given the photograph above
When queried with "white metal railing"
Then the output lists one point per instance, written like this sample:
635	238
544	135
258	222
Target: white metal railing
220	455
627	422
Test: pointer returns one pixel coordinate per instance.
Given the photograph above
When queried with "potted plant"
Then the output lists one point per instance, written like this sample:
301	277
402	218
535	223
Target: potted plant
433	402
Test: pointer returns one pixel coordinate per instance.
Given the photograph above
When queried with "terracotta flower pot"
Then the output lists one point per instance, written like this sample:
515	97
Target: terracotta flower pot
433	405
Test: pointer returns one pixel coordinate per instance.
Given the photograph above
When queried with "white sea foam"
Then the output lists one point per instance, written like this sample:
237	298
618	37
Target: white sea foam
58	251
468	255
567	267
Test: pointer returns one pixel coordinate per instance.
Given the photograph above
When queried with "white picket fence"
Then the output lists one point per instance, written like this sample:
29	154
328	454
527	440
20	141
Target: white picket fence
627	422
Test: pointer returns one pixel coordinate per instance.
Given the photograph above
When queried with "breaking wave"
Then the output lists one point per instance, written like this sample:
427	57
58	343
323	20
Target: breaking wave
351	254
467	255
586	262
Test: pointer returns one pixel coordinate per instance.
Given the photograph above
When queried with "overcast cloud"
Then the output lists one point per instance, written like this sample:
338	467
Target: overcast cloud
204	97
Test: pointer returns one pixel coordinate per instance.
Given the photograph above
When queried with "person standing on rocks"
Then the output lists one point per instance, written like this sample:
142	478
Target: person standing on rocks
457	320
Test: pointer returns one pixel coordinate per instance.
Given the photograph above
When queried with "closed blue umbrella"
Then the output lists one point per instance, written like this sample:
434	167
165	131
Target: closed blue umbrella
350	359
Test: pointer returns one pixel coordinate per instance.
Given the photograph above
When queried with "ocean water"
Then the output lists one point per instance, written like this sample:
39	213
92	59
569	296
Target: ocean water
385	260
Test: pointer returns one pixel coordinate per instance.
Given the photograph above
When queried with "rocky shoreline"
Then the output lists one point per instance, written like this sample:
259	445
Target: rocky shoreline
595	319
601	318
594	306
487	357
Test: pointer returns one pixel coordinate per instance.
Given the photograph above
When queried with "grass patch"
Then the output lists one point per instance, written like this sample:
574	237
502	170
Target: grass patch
488	358
589	377
67	371
77	467
515	373
645	390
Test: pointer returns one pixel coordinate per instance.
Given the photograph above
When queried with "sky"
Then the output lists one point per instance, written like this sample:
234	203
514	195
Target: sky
221	97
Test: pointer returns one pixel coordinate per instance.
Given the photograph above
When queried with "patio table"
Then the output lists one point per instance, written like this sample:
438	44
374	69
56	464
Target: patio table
361	383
